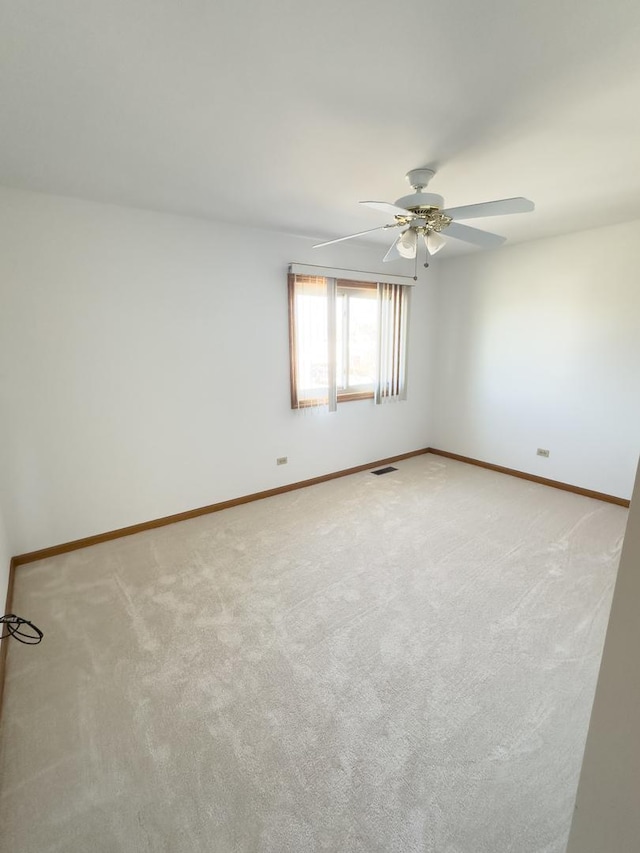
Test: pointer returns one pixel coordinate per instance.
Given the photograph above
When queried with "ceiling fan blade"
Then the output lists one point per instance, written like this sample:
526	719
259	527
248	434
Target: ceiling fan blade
484	239
386	207
351	236
393	254
501	207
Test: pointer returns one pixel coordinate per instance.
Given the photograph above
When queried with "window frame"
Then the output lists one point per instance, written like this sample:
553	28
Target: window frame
392	331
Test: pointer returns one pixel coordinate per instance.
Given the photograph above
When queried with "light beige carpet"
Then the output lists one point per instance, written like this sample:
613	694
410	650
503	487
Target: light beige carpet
372	665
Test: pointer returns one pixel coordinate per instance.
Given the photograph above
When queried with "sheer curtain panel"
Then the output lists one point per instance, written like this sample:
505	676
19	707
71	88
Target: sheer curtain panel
312	337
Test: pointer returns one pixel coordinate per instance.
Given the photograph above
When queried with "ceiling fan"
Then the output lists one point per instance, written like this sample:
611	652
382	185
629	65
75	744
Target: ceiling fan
424	214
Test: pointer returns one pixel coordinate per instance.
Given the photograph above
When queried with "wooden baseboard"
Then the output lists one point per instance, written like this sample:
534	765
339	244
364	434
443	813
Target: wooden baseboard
65	547
556	484
4	646
76	544
87	541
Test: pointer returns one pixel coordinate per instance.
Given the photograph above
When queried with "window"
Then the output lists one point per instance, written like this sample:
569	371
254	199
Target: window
356	339
348	340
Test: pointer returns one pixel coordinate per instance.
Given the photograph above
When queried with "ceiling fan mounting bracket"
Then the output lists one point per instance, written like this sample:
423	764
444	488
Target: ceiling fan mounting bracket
419	178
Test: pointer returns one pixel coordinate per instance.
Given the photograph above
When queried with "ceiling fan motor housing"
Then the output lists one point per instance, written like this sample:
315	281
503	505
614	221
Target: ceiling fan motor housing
419	200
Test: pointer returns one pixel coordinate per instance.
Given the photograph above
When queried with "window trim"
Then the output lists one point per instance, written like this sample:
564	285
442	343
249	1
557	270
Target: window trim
293	368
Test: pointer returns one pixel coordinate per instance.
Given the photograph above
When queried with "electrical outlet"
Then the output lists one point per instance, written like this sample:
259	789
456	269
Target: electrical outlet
282	460
542	452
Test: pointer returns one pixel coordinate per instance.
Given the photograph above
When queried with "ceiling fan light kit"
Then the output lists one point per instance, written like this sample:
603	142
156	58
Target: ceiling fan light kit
407	243
434	241
424	213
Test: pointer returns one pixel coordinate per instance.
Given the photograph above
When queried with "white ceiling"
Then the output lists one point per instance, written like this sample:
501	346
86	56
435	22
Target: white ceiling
284	114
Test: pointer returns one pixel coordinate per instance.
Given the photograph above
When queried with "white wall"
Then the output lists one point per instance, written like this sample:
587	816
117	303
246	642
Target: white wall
607	817
5	557
539	346
146	368
6	549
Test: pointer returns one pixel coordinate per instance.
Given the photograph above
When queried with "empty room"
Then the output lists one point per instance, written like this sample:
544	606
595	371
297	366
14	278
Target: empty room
319	359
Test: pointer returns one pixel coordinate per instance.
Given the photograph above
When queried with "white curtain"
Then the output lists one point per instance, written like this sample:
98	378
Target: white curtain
313	321
393	312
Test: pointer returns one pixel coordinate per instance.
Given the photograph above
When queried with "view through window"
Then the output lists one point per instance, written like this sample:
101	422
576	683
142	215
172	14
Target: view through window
356	339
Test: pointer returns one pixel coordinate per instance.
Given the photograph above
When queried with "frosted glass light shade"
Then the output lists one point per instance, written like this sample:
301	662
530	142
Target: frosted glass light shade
407	243
434	242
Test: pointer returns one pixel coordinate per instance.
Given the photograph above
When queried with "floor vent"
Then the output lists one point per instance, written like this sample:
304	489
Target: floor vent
384	470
